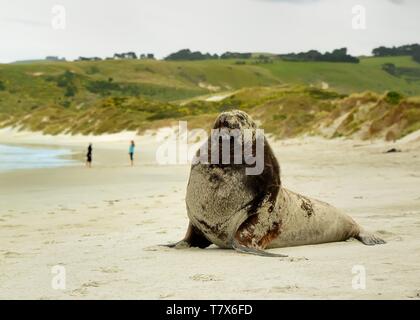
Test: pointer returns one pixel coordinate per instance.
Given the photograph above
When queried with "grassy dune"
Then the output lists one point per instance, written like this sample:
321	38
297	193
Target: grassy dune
110	96
347	77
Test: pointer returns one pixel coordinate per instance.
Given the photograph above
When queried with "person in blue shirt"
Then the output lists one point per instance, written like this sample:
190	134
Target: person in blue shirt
131	152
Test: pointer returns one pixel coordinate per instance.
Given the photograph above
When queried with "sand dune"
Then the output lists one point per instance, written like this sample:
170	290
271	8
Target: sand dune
103	225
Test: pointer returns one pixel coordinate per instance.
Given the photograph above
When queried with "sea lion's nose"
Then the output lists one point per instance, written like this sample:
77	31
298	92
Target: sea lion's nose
224	121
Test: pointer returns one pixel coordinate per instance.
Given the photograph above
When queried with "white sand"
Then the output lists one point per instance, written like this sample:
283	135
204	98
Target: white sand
103	226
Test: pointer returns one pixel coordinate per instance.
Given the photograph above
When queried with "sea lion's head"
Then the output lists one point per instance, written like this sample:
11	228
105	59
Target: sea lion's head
236	141
234	119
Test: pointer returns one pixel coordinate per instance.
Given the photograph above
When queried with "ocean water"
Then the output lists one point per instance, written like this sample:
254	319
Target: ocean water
12	158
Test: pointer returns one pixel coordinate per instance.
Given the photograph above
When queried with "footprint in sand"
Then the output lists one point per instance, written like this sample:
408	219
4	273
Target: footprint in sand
109	269
83	290
379	279
12	226
415	295
284	288
205	277
49	242
72	225
79	292
254	290
12	254
156	248
112	202
165	295
66	209
389	236
296	259
385	233
91	284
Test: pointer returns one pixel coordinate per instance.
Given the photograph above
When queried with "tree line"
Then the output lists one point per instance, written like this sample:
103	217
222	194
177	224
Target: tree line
412	50
187	54
121	56
337	55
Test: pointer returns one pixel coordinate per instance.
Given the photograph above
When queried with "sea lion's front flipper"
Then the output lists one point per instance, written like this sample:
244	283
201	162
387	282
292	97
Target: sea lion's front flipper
193	238
243	249
260	210
178	245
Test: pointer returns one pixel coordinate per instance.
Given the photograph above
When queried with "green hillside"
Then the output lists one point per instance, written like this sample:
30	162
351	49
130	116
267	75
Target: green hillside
115	95
350	77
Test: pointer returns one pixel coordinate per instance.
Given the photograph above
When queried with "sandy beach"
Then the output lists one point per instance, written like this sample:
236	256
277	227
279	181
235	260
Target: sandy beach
104	226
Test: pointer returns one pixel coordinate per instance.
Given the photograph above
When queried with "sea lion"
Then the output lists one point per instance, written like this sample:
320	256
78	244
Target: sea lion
249	213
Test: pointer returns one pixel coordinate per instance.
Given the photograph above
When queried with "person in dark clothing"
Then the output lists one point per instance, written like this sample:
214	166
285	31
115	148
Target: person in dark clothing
89	156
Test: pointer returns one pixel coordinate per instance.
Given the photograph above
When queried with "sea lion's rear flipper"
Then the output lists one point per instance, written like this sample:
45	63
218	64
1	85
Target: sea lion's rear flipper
243	249
369	238
193	238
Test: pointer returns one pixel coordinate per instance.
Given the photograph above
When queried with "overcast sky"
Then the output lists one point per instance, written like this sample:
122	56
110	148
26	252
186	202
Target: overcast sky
100	28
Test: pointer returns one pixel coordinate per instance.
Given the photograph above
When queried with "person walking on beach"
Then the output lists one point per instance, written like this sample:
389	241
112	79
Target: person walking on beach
89	156
131	152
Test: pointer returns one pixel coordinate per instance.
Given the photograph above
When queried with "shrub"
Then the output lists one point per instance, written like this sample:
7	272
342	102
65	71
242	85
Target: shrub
393	97
93	70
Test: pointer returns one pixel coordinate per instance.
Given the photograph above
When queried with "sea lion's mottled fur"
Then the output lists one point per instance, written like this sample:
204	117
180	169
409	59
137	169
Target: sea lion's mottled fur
250	213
